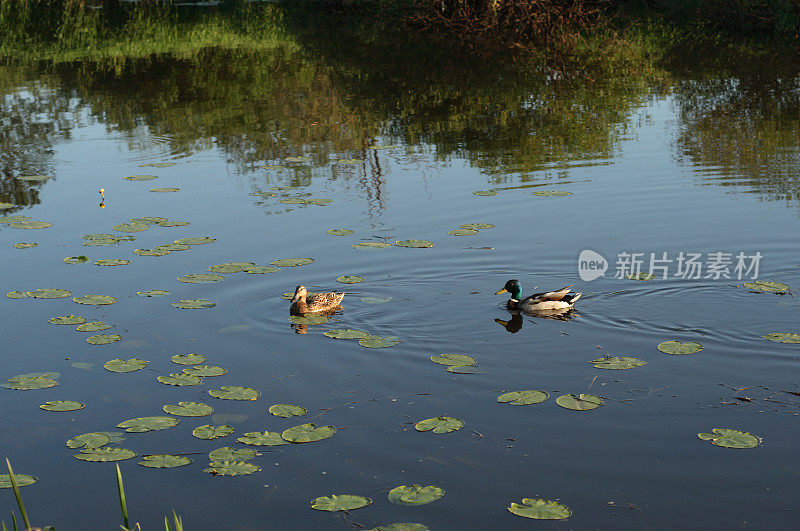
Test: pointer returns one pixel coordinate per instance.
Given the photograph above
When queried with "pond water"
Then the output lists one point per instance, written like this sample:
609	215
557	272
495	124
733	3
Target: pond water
664	160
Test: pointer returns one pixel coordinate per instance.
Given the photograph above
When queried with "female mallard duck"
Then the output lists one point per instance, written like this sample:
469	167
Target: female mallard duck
551	300
303	303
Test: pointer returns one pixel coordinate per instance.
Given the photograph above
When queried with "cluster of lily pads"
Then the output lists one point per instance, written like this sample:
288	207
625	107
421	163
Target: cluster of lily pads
364	339
470	229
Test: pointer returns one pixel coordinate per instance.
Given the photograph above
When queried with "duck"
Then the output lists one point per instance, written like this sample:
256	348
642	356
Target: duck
303	303
560	299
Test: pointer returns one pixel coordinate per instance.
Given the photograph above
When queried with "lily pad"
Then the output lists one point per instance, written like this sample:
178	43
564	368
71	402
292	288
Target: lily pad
158	164
17	295
30	225
180	379
346	334
120	365
292	262
268	438
189	409
67	320
227	453
763	285
580	402
50	293
540	509
642	277
350	161
420	244
131	227
376	300
200	278
205	371
93	439
231	267
463	369
62	405
165	461
25	245
75	259
783	337
308	433
168	223
112	262
95	299
341	502
340	232
484	193
454	359
231	468
371	245
462	232
163	190
617	362
477	226
679	348
194	304
260	270
551	193
11	219
188	359
93	326
728	438
232	392
287	410
22	480
209	432
379	341
310	319
523	398
196	240
440	424
350	279
105	454
103	339
412	495
140	177
29	383
151	252
102	241
145	424
33	178
153	293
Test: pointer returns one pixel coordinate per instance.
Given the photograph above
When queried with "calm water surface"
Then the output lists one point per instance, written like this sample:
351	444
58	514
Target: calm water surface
699	162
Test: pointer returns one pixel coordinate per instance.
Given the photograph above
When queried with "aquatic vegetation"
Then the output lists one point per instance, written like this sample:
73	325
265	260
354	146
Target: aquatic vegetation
112	262
145	424
231	468
523	398
462	232
260	270
412	495
188	359
617	362
22	480
642	277
728	438
194	304
231	267
153	293
419	244
371	245
196	240
140	177
551	193
150	252
25	245
232	392
340	502
200	278
227	453
95	299
93	326
477	226
122	366
158	164
485	193
287	410
32	381
67	320
17	295
540	509
205	371
104	455
340	232
345	334
50	293
439	424
189	409
305	433
267	438
165	461
350	279
89	440
62	405
379	341
163	190
292	262
582	402
763	285
783	337
180	379
453	359
30	225
103	339
679	348
210	432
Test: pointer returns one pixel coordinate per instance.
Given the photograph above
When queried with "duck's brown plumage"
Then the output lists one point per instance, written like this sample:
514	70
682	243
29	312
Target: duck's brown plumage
303	303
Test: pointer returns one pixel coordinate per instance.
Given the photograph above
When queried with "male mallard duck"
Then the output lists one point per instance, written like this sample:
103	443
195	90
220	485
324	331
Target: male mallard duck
302	302
551	300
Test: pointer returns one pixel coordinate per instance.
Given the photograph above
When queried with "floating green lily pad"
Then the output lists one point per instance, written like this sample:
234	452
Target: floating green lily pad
352	162
580	402
763	285
484	193
180	379
95	299
309	319
105	241
454	359
103	339
227	453
145	424
231	267
267	438
728	438
551	193
341	502
153	293
131	227
463	369
93	439
440	424
17	295
29	382
25	245
120	365
346	334
783	337
150	220
308	433
371	245
196	240
62	405
205	371
209	432
379	341
188	359
165	461
151	252
287	410
232	392
75	259
376	300
350	279
22	480
292	262
523	398
67	320
30	225
33	178
112	262
477	226
231	468
189	409
50	293
194	304
158	164
340	232
164	190
105	454
168	223
260	270
462	232
93	326
420	244
140	177
617	362
540	509
200	278
679	348
411	495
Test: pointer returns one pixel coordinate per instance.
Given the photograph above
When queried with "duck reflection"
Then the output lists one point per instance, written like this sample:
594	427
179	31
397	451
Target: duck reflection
514	324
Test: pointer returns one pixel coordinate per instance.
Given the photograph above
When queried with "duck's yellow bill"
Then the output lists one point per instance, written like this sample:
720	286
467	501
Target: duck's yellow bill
504	290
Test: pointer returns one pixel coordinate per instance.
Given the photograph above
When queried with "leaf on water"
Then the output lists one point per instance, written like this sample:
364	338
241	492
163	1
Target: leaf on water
260	270
463	369
376	300
93	326
227	453
551	193
728	438
163	190
11	219
93	439
679	348
95	299
112	262
153	293
341	502
350	279
33	178
75	259
62	405
540	509
617	362
420	244
287	410
783	337
477	226
30	225
145	424
643	277
17	295
346	334
231	267
105	454
194	304
180	379
340	232
188	359
485	193
120	365
150	220
309	319
189	409
140	177
209	432
200	278
440	424
21	480
158	164
371	245
268	438
379	342
411	495
50	293
165	461
168	223
580	402
453	359
308	433
462	232
115	436
231	468
25	245
29	383
353	162
196	240
67	320
763	285
232	392
205	371
131	227
103	339
523	398
292	262
151	252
